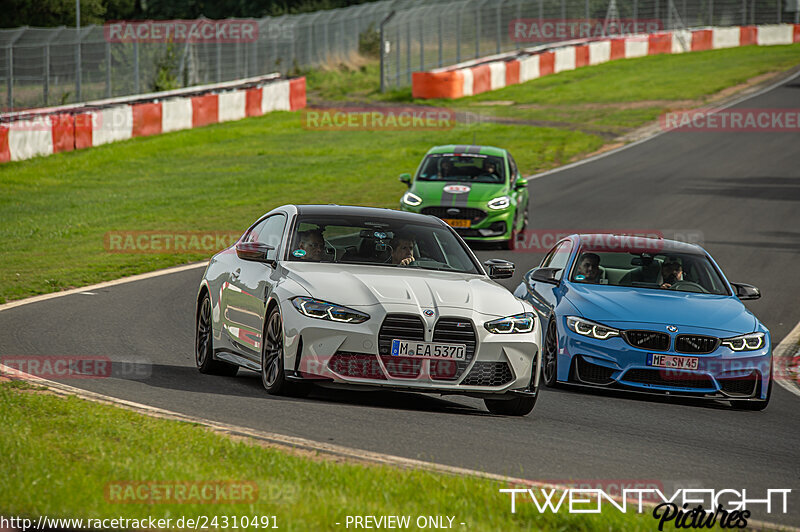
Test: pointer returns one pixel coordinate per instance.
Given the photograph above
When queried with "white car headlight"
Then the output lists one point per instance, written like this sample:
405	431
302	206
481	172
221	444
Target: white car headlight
590	328
322	310
746	342
411	199
519	323
500	203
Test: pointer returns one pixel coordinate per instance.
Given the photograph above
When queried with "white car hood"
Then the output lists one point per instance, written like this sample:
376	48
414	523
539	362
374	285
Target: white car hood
358	286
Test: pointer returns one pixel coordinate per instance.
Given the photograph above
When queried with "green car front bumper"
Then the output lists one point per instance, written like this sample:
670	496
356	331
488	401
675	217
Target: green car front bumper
485	225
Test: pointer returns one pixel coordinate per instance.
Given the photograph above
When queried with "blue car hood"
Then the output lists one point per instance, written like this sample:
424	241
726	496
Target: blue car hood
614	304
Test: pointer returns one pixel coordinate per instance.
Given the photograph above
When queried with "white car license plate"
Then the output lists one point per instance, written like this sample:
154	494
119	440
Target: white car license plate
406	348
672	361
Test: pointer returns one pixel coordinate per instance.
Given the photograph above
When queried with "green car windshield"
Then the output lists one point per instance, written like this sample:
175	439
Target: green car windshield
470	168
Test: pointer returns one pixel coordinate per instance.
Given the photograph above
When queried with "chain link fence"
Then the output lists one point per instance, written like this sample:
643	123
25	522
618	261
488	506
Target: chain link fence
57	66
433	36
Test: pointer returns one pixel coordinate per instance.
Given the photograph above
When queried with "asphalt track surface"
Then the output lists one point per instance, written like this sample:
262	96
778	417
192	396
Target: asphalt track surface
739	191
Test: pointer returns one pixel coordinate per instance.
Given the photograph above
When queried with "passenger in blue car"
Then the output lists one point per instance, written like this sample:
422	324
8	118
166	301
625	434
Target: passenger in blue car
588	268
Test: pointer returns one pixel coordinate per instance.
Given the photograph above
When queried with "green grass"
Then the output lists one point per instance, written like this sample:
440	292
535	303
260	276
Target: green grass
55	210
61	453
662	78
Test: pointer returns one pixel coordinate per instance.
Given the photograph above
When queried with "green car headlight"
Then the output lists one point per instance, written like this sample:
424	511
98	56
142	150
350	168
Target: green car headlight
322	310
499	203
519	323
411	199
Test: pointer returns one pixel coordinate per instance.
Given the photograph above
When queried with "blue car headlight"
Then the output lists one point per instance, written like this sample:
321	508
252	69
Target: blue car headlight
322	310
519	323
590	328
746	342
411	199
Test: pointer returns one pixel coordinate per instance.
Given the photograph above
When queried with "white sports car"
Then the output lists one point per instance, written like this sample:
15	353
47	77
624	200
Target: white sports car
371	298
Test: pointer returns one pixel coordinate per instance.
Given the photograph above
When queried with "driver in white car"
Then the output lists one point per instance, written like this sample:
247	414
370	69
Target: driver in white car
402	250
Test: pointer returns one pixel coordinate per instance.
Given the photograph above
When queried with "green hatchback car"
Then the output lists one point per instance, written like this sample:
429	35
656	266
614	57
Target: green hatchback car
477	190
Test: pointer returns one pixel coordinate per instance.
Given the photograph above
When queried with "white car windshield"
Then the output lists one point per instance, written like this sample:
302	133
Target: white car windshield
380	242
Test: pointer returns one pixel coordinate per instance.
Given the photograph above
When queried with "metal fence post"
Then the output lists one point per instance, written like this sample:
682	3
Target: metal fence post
710	12
136	67
108	69
478	30
10	77
635	13
458	37
780	11
441	44
499	25
46	88
383	50
77	50
422	45
744	12
408	51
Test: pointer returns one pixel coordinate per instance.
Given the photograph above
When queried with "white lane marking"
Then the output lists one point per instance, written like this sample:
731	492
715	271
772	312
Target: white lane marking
782	356
661	132
289	443
88	293
115	282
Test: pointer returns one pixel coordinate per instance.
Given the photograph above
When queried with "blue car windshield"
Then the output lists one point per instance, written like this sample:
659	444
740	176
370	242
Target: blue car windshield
681	272
467	168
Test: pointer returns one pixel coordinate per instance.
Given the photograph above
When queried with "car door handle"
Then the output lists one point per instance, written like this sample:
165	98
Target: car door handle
235	275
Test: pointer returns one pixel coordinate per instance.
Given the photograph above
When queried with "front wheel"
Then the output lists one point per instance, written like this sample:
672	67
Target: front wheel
273	376
550	358
204	345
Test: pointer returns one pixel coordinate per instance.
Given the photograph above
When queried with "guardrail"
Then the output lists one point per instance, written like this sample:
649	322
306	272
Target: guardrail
52	130
498	71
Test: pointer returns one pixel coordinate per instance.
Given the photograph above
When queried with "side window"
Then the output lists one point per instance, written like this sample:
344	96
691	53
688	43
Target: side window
559	257
513	166
268	231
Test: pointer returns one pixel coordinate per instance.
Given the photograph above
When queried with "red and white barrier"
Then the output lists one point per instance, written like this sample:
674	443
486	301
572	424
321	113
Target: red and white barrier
492	73
46	131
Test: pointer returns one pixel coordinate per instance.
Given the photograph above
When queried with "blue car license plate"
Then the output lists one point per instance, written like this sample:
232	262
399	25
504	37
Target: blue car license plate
672	361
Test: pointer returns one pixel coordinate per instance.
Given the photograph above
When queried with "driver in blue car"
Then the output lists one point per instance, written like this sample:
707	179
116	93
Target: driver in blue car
588	268
671	272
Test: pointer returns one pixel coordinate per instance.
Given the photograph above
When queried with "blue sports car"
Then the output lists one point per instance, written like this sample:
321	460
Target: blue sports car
648	315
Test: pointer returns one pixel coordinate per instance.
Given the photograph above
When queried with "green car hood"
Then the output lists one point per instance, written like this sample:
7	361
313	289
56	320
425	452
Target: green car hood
433	193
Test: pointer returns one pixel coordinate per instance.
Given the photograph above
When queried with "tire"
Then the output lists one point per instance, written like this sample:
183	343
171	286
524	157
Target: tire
550	357
517	406
272	373
755	405
204	344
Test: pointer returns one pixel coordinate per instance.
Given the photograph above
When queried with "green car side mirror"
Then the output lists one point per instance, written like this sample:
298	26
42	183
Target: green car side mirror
521	183
406	178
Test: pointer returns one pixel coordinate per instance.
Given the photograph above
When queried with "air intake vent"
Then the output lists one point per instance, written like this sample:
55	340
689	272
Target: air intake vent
400	327
697	344
668	378
489	374
453	331
650	340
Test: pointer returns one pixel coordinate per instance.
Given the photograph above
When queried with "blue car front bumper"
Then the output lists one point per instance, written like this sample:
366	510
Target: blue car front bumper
720	374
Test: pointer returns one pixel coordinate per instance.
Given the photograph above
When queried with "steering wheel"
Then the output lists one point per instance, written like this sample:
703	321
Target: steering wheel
693	287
